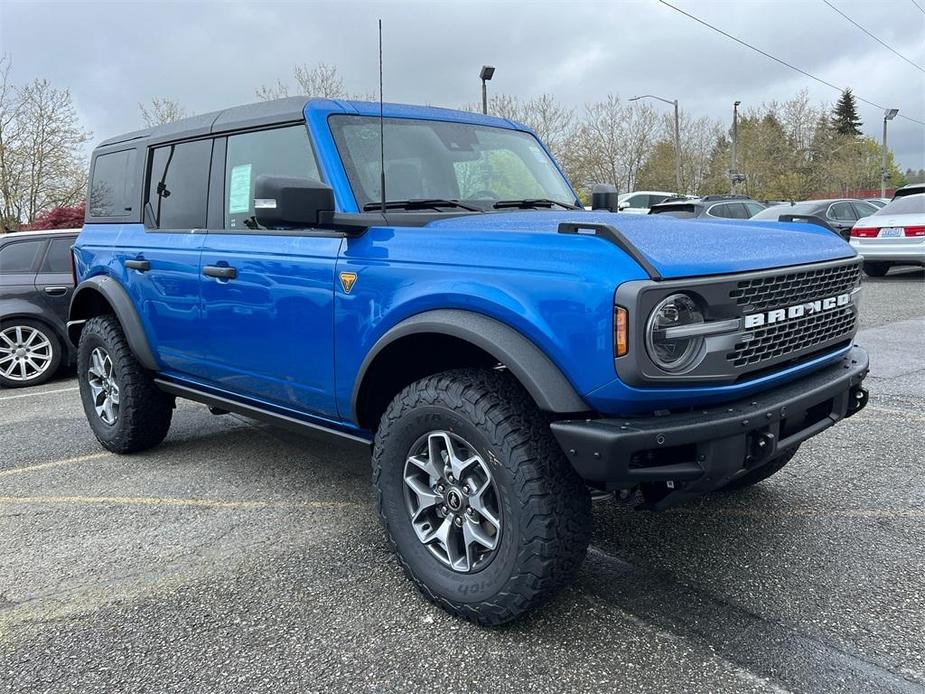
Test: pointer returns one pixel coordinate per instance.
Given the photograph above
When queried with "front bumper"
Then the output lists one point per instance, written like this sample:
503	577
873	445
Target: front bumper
906	251
692	453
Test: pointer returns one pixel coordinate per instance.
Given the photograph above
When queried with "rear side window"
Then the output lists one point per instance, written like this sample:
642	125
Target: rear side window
278	152
20	256
753	208
842	212
58	257
178	186
112	190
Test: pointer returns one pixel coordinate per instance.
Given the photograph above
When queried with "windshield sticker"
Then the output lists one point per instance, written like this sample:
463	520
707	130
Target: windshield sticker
239	194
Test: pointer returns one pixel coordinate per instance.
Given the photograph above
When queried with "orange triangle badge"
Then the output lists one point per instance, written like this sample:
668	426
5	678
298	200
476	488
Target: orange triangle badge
347	280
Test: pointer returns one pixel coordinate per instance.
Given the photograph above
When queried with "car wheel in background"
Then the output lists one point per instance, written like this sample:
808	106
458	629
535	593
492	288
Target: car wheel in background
126	411
30	353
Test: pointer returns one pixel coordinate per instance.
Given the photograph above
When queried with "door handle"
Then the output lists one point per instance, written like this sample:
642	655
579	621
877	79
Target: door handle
140	265
220	271
56	291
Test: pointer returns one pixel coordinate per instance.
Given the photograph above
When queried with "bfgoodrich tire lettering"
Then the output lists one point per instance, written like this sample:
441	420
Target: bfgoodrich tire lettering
544	507
142	416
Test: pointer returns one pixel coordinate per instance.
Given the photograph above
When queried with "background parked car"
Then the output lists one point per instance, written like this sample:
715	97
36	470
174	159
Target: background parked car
640	201
911	189
877	202
840	214
720	206
36	283
894	235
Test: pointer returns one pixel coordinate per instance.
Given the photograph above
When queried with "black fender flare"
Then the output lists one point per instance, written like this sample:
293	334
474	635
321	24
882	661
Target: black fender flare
545	382
124	308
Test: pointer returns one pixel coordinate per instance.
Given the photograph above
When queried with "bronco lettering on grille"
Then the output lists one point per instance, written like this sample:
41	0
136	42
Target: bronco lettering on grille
809	308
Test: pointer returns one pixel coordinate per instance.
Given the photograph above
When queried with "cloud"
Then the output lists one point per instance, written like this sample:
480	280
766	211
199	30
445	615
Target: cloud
212	55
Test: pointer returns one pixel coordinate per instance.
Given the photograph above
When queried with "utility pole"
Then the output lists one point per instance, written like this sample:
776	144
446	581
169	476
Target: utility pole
888	114
677	137
734	171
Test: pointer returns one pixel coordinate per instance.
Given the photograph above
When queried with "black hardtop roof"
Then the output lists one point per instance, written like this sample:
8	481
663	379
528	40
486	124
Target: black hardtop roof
260	113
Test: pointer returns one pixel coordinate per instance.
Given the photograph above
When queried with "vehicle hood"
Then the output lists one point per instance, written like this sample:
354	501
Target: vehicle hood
891	220
680	247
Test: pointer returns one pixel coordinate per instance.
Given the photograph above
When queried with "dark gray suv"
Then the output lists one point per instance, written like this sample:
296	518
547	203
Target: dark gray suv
36	283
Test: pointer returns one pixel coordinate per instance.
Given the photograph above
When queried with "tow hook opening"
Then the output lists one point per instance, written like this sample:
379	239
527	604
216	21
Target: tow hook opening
857	399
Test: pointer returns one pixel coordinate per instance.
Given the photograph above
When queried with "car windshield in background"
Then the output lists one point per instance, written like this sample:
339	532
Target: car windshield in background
772	213
443	161
911	204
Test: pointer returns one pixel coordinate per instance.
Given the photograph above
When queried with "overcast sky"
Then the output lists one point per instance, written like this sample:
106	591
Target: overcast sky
212	55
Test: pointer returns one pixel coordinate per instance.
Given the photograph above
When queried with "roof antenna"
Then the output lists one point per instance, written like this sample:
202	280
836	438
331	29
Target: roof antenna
381	128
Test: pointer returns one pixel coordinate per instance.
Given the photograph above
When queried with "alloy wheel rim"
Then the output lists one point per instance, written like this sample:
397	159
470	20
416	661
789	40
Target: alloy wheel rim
452	501
103	387
25	353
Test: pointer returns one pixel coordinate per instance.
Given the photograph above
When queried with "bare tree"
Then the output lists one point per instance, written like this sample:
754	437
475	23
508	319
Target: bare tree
320	80
42	164
161	110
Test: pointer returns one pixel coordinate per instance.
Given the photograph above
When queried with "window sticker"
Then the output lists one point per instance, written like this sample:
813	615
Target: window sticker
239	194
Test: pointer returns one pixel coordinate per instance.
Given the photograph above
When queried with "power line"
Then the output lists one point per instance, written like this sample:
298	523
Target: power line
885	45
921	9
782	62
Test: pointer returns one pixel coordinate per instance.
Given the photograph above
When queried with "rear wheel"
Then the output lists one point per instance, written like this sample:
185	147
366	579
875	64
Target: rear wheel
126	411
486	515
876	269
29	353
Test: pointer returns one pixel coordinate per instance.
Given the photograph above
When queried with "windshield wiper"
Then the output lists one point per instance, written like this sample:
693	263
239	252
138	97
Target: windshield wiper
528	203
419	204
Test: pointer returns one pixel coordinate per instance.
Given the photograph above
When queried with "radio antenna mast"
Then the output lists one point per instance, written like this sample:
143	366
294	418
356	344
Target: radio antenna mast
381	129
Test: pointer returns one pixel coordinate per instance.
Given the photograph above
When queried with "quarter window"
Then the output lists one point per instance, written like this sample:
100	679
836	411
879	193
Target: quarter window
20	256
58	258
112	190
179	185
279	152
842	212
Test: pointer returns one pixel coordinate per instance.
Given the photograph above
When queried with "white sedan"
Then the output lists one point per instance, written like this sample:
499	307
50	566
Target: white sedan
893	235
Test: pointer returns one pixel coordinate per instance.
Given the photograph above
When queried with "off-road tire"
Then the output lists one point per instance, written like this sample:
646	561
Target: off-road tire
874	269
545	507
144	410
761	473
57	353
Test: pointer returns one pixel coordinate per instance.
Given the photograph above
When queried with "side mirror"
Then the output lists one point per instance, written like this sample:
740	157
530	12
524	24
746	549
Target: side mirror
604	197
623	206
282	201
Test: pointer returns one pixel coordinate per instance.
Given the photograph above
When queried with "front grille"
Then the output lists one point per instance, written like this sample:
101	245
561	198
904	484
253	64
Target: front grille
796	335
764	293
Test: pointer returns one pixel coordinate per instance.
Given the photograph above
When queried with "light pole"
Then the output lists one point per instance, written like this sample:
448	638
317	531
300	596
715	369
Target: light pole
734	171
889	114
486	74
677	136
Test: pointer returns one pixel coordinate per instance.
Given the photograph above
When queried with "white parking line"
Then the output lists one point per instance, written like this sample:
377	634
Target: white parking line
41	392
167	501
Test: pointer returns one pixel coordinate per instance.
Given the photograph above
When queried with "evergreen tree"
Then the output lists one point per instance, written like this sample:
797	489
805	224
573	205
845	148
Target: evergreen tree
845	117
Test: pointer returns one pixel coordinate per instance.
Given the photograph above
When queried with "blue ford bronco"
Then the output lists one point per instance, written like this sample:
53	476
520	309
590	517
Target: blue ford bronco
504	352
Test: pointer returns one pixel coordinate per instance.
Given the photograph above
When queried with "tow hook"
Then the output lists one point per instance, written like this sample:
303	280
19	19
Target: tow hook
857	399
762	446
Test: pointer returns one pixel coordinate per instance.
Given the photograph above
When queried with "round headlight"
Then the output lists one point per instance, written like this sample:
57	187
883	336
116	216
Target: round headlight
672	350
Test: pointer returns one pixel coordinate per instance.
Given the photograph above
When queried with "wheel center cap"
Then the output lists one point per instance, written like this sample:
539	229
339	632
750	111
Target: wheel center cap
454	499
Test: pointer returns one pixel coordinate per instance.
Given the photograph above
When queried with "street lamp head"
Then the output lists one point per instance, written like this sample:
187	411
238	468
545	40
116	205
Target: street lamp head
890	113
737	103
487	72
635	98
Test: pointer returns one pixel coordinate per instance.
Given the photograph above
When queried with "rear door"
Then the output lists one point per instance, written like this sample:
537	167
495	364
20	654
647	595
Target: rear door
55	279
269	324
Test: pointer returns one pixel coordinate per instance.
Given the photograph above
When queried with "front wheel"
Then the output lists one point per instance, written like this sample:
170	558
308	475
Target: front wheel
486	515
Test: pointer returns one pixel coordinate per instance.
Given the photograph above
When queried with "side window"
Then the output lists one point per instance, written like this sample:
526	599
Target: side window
58	257
637	201
753	208
279	152
178	186
864	209
722	210
20	256
112	190
842	212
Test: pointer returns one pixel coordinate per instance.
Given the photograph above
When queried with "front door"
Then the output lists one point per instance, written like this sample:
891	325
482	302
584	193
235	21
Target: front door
267	295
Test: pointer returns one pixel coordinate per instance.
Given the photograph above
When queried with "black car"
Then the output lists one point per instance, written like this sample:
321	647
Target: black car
718	206
839	214
36	283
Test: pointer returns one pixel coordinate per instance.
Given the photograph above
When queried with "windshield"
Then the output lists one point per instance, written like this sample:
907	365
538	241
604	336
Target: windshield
439	160
911	204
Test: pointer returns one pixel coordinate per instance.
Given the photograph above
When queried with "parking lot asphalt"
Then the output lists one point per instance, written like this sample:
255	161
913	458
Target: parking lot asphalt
239	557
